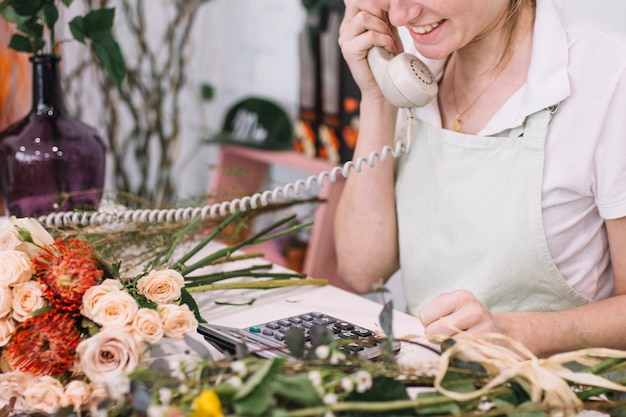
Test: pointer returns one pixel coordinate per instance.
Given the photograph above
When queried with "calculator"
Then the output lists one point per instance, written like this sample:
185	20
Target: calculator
268	339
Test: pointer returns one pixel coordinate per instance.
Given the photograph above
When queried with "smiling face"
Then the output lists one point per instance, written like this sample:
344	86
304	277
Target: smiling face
439	27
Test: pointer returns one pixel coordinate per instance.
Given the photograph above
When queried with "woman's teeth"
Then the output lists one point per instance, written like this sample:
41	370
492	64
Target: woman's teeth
424	29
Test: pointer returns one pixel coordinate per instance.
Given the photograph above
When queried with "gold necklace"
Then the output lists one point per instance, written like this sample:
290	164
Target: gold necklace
458	121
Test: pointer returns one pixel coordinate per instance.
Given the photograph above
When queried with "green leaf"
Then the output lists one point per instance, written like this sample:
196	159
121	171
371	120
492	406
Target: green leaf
256	403
67	3
255	396
383	389
20	43
26	7
100	20
77	27
109	53
528	409
296	389
8	13
295	340
187	298
51	14
450	408
386	318
269	368
321	335
618	411
198	347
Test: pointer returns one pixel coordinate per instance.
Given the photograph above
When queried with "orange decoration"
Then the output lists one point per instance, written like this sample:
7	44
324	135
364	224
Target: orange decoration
15	83
350	104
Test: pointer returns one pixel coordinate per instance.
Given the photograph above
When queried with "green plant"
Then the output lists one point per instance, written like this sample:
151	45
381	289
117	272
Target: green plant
36	20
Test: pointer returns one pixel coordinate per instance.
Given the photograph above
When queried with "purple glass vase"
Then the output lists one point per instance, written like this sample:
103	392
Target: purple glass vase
49	160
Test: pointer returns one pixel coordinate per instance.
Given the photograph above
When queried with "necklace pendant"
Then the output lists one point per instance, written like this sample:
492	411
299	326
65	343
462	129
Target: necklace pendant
458	123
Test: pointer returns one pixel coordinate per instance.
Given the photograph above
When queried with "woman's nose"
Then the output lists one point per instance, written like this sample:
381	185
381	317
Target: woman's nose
403	11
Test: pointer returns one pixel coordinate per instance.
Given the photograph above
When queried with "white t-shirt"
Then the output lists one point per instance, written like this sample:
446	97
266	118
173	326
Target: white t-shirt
581	64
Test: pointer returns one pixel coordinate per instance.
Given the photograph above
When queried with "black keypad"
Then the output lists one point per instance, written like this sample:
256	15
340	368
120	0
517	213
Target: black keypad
364	341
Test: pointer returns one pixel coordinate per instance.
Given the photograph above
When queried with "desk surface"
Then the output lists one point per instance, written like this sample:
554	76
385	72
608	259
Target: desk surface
277	303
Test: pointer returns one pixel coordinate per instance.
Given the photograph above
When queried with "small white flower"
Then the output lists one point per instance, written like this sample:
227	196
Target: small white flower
165	396
239	367
322	352
117	387
158	410
329	413
183	389
316	378
347	385
330	399
235	382
363	381
336	357
98	412
179	374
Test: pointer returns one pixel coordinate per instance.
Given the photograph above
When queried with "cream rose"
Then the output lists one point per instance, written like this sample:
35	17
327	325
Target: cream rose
12	385
7	327
93	295
77	394
115	309
177	320
147	325
45	394
161	287
6	301
11	240
15	268
27	297
108	354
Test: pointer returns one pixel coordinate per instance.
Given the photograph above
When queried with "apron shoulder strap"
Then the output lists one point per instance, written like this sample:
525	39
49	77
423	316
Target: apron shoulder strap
536	124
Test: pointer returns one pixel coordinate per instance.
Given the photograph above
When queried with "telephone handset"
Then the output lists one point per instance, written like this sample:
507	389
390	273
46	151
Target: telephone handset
404	80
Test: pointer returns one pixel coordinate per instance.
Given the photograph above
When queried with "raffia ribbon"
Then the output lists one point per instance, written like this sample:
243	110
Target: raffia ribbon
547	378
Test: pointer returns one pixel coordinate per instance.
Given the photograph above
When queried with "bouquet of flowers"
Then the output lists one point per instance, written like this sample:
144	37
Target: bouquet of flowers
71	327
68	325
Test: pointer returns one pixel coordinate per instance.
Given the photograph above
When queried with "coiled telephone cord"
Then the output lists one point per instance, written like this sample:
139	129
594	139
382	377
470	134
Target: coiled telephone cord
262	199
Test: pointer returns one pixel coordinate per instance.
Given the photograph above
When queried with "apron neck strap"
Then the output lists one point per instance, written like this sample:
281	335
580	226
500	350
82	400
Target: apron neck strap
536	124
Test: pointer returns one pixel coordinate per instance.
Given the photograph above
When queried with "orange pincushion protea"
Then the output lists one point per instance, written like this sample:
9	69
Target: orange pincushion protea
65	270
45	344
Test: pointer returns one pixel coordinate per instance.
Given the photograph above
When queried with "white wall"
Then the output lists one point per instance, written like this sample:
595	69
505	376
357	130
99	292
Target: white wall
245	47
611	11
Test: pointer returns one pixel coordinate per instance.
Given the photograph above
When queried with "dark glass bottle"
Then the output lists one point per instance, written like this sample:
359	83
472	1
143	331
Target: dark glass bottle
49	160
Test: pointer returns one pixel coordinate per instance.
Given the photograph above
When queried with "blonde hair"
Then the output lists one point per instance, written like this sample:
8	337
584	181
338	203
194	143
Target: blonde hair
510	21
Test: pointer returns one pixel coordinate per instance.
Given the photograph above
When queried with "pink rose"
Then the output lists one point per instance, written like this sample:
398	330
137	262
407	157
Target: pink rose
12	385
161	287
27	297
7	327
114	309
77	394
108	354
93	294
15	268
45	394
147	325
6	301
178	320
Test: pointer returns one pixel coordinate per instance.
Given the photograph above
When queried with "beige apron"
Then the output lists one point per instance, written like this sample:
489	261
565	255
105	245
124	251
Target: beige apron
469	217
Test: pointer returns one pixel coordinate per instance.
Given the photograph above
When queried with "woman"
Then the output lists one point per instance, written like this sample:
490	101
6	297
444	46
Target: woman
508	213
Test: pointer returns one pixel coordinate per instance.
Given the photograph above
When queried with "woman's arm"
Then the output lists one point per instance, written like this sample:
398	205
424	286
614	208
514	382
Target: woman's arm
365	222
598	324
